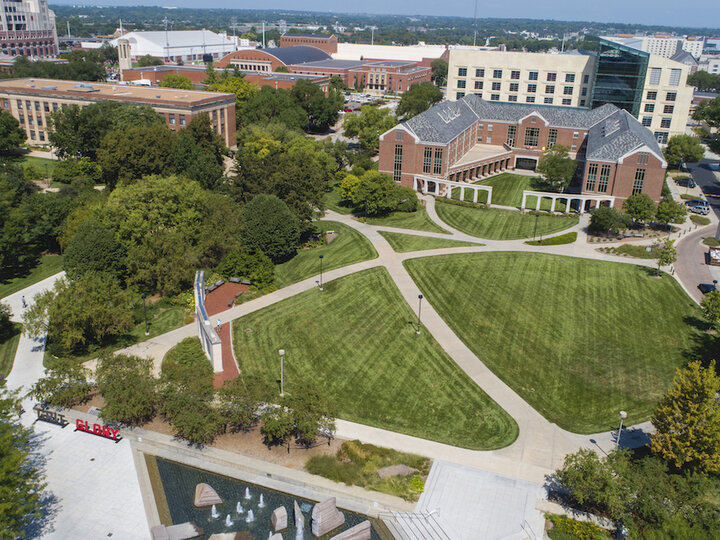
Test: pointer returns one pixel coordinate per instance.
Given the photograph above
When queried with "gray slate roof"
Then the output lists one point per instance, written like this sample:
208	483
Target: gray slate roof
443	122
298	54
617	135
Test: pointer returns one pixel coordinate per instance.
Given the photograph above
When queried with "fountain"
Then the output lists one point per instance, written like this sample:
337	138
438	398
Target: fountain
261	504
228	521
250	517
247	493
238	508
214	513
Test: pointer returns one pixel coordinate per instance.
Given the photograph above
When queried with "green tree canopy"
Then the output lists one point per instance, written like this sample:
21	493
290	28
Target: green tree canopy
148	60
128	388
11	134
687	420
418	99
322	111
683	149
174	80
255	266
369	125
608	220
439	71
64	384
233	84
274	105
704	80
270	227
667	254
709	112
94	249
711	308
69	170
557	167
640	207
669	211
200	130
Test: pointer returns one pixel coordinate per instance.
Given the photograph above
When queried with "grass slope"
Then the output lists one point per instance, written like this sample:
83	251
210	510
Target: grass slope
356	340
499	224
578	339
402	243
48	265
348	247
418	221
8	349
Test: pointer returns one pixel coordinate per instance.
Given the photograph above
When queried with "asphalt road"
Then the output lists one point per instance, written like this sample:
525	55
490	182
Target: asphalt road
706	180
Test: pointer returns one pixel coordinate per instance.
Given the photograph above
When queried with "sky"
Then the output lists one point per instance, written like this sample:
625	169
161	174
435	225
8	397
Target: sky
699	13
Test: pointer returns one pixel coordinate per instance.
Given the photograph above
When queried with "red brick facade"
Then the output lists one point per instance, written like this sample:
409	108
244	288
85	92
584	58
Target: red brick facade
325	43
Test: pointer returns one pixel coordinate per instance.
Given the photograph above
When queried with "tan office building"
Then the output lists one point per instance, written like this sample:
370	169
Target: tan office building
32	100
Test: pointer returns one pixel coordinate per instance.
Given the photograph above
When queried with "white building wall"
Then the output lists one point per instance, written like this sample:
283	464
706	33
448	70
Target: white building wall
664	78
185	45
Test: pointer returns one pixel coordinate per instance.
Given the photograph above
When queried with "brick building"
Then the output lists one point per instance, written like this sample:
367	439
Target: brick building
469	139
326	43
32	100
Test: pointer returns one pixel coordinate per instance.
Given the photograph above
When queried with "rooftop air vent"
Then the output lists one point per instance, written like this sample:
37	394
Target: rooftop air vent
49	88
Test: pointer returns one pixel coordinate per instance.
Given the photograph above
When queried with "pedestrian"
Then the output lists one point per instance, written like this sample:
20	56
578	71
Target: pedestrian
24	304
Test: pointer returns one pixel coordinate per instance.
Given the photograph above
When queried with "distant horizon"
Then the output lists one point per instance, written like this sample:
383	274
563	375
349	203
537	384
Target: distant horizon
638	12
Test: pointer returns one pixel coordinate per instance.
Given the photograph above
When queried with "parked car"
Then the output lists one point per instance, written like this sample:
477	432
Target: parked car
685	181
706	288
714	166
698	206
347	109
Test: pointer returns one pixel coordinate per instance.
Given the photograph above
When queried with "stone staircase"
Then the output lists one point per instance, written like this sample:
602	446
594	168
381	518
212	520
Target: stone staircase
415	526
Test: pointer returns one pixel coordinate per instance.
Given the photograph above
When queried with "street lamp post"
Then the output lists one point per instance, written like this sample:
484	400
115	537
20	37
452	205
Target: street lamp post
420	297
537	216
321	266
623	416
147	332
282	382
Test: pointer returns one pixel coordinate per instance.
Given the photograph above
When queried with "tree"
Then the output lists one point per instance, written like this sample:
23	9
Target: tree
148	60
174	80
11	134
704	80
282	69
369	125
70	169
640	207
419	98
270	227
683	149
255	266
240	400
233	84
336	83
128	155
709	112
711	308
64	384
6	325
277	425
201	132
607	220
687	420
274	105
667	254
439	69
669	211
128	388
557	167
322	111
348	188
21	483
311	414
94	248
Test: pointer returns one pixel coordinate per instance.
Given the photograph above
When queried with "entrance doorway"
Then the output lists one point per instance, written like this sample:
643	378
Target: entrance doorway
528	164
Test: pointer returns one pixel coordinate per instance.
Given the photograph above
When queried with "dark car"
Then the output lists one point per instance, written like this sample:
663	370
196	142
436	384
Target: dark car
706	288
685	181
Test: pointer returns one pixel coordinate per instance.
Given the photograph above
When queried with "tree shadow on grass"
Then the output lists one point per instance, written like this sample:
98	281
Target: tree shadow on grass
49	503
704	346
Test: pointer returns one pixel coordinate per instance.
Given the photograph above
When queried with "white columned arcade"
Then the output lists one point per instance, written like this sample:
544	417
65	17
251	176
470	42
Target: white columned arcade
597	200
420	183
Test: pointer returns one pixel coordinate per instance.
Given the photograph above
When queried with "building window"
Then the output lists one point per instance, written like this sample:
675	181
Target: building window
515	74
496	86
462	72
479	139
461	83
39	120
652	95
552	137
533	75
671	96
42	135
568	90
668	109
37	105
582	102
584	91
32	134
655	75
675	77
530	99
647	121
459	95
497	73
566	101
514	87
586	79
548	101
531	136
55	106
437	166
489	140
6	104
21	118
532	88
171	118
661	137
604	178
512	97
480	72
478	85
643	158
573	147
397	164
591	177
427	160
569	77
46	106
182	119
649	107
576	134
494	97
490	127
665	122
551	77
481	126
549	89
19	104
512	131
639	179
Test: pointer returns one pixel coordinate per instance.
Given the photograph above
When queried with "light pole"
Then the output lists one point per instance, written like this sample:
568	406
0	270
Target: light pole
623	416
147	332
282	382
321	261
420	297
537	216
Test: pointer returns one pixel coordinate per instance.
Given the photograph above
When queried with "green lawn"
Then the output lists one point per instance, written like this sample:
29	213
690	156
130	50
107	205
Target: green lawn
402	243
567	238
578	339
41	164
332	201
47	266
8	348
499	224
348	247
356	341
418	221
507	191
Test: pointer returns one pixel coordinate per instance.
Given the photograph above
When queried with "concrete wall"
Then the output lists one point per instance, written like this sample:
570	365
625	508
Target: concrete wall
209	339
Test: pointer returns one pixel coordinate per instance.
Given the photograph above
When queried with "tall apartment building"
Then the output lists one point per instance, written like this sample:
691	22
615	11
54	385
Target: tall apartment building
27	28
662	44
32	100
650	87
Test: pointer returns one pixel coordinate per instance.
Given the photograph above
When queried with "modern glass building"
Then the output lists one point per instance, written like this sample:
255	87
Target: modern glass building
619	76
